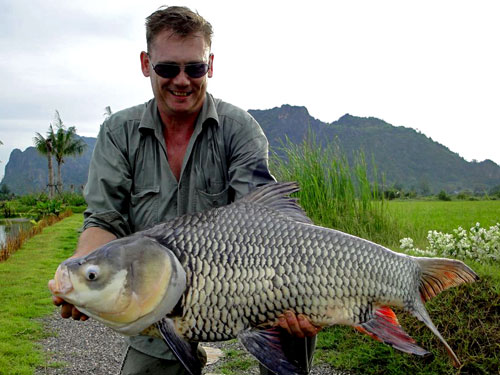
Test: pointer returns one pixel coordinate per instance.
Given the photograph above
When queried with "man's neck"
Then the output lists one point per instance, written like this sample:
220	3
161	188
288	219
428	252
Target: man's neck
177	132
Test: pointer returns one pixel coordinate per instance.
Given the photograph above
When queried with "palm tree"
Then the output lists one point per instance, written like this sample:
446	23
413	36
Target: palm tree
45	146
66	143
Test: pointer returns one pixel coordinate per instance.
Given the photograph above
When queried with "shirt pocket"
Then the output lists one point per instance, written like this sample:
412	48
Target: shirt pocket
215	196
144	207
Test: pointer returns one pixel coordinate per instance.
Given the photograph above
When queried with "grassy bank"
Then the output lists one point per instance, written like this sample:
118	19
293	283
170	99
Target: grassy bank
24	295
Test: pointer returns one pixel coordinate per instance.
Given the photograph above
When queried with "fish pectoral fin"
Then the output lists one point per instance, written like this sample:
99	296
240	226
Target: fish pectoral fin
384	327
186	352
273	349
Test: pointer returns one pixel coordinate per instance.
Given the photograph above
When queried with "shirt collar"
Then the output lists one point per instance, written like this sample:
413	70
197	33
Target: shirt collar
151	118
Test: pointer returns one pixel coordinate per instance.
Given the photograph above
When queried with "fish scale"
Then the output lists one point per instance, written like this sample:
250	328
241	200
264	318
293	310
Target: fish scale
231	271
344	280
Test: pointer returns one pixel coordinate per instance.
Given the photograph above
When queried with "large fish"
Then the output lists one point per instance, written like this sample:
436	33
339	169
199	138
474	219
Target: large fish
230	271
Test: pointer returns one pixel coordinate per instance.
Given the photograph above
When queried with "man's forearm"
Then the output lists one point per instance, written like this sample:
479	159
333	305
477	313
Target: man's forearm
92	238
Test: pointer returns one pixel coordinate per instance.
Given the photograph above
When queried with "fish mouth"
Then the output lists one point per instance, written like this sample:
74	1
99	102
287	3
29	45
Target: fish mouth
61	285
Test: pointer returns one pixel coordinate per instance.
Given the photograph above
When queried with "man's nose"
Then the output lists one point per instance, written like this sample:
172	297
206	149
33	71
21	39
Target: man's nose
181	79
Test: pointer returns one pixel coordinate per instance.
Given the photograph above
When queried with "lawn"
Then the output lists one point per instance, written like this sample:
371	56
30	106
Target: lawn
24	295
418	217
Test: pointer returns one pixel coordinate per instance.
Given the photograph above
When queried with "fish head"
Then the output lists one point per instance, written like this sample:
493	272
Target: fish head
128	284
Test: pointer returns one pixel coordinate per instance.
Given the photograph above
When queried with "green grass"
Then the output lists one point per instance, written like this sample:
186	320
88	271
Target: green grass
239	361
24	295
334	193
418	217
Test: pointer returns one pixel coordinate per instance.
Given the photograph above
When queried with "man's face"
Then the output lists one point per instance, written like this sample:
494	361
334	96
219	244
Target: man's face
182	95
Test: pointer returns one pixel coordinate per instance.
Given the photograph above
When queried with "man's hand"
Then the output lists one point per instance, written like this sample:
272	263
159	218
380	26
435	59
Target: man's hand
297	325
68	310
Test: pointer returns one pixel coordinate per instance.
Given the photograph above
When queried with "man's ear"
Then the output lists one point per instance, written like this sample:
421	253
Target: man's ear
210	65
145	64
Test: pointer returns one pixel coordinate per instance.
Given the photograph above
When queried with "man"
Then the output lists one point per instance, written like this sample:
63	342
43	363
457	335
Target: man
181	152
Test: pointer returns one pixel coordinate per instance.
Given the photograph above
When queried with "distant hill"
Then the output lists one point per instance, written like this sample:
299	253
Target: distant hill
26	171
407	158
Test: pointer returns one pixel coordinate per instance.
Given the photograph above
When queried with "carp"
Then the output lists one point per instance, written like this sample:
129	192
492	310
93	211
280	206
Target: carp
231	271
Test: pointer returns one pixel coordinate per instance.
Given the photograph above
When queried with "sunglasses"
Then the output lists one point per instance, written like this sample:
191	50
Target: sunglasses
171	70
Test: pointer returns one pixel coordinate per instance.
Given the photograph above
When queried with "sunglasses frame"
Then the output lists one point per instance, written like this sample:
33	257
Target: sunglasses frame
181	67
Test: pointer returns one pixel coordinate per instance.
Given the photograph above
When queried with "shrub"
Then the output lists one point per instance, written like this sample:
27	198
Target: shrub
478	244
443	196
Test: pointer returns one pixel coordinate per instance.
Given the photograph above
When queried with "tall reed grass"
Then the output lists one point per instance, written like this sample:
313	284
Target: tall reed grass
15	242
334	193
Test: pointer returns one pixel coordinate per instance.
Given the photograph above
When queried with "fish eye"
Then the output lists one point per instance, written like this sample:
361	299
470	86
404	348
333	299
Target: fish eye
92	273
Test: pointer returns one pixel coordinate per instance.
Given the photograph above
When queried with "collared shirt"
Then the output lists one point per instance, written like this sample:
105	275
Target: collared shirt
131	186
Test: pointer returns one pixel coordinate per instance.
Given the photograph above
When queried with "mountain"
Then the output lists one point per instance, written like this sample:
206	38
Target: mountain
406	157
27	172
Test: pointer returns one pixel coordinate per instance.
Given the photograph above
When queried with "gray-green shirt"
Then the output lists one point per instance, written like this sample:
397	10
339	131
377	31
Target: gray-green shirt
131	186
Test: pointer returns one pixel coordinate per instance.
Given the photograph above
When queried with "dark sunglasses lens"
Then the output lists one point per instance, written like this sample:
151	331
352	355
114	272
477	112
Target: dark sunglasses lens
196	70
167	70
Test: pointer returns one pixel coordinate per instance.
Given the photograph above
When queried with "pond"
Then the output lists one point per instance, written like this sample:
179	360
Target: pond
12	227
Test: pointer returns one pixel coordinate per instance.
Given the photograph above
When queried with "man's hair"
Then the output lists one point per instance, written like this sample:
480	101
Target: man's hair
181	20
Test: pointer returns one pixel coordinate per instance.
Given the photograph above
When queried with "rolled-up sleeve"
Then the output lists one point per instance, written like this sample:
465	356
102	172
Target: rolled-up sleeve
248	158
108	187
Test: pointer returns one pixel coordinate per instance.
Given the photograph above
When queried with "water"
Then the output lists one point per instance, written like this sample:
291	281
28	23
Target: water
10	228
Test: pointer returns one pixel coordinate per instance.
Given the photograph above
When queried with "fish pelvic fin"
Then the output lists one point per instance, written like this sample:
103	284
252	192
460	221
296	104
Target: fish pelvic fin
186	352
268	346
276	196
439	274
384	327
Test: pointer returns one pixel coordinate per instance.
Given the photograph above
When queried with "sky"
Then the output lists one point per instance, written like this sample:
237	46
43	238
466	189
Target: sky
431	65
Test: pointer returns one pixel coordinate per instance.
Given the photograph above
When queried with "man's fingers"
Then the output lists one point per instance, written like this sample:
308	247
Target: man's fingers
293	323
66	310
307	328
57	301
283	324
75	313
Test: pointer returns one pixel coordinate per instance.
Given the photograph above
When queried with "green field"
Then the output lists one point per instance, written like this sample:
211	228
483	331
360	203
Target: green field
418	217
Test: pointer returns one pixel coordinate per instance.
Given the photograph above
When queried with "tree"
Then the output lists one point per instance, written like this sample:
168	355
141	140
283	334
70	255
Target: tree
66	143
45	146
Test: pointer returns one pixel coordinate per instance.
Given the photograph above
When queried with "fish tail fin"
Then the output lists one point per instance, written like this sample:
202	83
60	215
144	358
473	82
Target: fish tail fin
439	274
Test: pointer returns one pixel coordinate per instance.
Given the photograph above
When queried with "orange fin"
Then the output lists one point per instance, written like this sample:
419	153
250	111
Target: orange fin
439	274
384	327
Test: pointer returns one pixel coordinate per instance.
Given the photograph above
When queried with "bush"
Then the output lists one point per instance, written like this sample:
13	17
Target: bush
477	244
443	196
6	210
73	199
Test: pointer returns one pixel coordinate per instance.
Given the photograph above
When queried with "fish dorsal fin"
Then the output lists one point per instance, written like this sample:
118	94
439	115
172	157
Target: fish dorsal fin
277	197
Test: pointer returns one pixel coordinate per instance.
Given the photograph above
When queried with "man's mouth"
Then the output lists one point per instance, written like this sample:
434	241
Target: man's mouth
180	93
